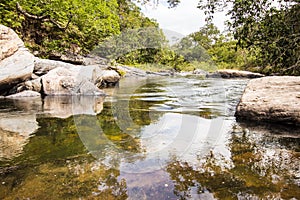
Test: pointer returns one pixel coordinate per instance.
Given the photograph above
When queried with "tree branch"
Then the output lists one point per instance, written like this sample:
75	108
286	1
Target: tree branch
45	18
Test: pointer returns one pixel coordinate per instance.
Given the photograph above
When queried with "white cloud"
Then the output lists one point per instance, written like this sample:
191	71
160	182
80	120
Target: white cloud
184	19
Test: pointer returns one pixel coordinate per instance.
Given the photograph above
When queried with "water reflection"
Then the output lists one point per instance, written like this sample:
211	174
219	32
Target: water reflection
149	140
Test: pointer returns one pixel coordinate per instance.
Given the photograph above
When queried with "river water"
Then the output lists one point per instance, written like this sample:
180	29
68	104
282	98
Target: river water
155	138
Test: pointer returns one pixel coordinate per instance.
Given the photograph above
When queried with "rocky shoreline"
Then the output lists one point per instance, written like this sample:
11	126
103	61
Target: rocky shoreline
270	99
21	72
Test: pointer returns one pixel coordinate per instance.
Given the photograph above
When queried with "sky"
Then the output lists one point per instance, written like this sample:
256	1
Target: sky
186	18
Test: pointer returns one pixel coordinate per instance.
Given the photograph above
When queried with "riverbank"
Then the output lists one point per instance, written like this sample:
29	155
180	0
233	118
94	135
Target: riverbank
270	99
21	72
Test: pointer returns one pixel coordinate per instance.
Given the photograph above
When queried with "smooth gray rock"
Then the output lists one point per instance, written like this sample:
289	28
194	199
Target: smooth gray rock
95	60
271	99
231	73
98	76
15	69
132	72
34	85
200	72
107	78
88	88
43	66
59	81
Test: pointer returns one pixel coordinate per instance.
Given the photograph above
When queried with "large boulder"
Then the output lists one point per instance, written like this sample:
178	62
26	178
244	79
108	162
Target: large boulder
62	81
16	63
9	42
271	99
231	73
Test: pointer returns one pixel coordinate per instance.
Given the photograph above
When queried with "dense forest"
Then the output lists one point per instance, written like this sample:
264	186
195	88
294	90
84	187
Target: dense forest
263	35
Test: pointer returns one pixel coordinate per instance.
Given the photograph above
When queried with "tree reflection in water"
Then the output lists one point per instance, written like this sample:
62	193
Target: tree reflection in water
259	169
59	163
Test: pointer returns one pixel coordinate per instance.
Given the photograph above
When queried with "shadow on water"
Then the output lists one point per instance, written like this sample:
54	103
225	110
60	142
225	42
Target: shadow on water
151	140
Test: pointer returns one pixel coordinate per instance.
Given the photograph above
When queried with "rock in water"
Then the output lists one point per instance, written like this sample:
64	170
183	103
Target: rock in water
62	81
16	63
271	99
107	78
15	131
231	73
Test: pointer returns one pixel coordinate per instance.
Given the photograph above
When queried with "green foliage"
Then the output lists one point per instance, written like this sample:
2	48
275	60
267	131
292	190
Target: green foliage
268	29
8	14
209	46
130	16
141	46
129	41
227	55
191	49
207	35
49	27
156	60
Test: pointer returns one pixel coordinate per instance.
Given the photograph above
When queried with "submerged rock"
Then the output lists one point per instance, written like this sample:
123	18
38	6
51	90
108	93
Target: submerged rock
23	124
11	144
271	99
230	73
15	131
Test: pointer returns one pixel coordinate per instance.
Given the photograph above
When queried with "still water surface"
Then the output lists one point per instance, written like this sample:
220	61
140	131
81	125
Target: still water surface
166	138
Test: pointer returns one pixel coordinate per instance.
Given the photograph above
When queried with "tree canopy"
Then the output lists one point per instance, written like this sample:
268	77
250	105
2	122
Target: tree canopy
70	26
269	28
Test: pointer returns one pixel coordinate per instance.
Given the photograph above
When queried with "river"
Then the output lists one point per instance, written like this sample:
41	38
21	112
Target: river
155	138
